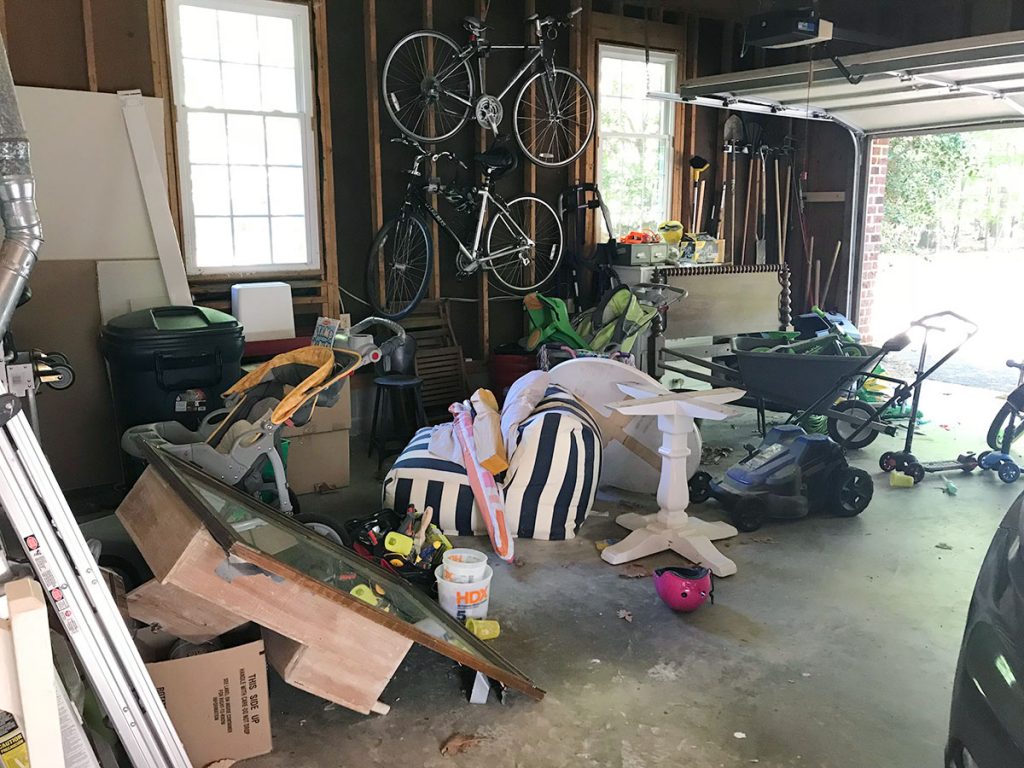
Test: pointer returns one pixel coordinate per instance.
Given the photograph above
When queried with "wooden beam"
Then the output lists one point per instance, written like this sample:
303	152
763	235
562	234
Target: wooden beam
90	46
373	112
3	19
328	215
435	233
608	28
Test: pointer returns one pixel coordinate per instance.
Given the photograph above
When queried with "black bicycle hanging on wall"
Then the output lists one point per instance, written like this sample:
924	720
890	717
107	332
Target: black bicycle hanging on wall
430	92
521	249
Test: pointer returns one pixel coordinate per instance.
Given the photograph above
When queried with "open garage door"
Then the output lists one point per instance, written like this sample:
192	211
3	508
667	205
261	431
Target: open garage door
950	85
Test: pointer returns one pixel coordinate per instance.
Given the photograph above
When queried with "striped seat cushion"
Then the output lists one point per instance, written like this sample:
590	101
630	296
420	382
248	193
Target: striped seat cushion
549	486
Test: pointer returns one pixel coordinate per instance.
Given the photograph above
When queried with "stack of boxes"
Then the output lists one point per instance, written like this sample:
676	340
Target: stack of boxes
318	452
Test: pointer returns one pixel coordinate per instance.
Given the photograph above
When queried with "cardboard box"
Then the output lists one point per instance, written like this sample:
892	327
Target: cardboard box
218	702
318	461
704	249
332	419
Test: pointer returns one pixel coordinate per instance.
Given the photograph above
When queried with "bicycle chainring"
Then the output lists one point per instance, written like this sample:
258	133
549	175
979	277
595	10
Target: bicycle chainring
489	113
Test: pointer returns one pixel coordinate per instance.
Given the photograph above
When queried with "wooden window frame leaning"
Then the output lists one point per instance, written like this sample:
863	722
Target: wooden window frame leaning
486	660
330	304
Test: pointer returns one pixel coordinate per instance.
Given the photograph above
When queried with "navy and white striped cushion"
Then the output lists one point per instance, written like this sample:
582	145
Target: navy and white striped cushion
552	475
549	486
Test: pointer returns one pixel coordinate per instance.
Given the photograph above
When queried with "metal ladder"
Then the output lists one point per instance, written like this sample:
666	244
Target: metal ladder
69	574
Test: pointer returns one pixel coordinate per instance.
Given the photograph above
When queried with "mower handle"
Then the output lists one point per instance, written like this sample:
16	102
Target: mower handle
923	322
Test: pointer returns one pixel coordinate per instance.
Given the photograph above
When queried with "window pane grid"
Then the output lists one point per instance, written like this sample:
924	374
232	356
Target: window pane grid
245	134
635	135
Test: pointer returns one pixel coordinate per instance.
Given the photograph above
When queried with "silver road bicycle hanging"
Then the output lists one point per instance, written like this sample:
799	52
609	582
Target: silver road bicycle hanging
430	92
521	247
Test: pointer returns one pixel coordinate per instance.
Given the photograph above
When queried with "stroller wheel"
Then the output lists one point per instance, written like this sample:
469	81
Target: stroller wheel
1009	472
322	526
852	491
700	487
749	513
887	461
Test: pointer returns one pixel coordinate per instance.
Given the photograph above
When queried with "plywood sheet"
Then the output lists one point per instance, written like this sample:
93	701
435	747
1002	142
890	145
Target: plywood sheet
125	286
87	188
724	304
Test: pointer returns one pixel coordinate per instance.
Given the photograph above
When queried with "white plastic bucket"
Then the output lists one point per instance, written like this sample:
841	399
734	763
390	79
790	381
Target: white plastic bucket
464	600
463	565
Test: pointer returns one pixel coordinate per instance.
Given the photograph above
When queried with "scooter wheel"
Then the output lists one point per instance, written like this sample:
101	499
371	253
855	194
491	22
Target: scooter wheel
981	460
916	471
700	487
749	513
1009	472
853	489
887	461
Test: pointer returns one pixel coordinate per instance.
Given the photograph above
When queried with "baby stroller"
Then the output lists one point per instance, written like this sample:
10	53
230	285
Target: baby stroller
238	443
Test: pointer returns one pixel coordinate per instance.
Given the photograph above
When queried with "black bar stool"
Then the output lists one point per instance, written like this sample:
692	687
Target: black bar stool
398	403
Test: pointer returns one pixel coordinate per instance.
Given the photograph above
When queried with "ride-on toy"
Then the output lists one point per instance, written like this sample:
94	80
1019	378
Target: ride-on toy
1006	427
789	475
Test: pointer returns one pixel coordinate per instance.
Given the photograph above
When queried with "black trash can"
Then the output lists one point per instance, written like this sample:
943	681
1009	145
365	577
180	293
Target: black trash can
170	363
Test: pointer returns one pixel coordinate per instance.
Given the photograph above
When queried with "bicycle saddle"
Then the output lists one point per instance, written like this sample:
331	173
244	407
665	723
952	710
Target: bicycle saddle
473	23
1014	364
497	160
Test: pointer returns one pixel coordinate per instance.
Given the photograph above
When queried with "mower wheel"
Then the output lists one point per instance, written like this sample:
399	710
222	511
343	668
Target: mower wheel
852	491
887	461
916	471
748	514
700	487
1009	472
322	526
840	431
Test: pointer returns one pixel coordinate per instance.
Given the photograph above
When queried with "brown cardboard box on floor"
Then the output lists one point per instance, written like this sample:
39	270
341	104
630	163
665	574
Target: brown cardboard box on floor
333	419
319	460
218	702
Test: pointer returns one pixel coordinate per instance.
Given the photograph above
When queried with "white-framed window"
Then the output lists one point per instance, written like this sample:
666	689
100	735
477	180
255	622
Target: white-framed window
242	84
634	162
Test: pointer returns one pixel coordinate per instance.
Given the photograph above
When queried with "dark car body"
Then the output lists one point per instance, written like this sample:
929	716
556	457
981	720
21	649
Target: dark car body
986	725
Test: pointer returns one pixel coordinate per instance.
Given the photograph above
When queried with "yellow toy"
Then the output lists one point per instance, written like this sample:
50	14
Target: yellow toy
671	231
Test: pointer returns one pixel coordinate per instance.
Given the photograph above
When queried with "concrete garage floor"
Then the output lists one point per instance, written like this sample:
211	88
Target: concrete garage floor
834	645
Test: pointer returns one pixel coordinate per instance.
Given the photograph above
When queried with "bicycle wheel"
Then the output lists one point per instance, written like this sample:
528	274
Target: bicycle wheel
427	88
513	261
997	429
554	117
398	267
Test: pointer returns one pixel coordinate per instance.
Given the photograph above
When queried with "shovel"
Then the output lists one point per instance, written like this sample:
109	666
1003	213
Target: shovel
761	245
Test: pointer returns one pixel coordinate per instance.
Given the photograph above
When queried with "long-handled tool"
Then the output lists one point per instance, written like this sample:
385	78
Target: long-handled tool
761	245
831	269
734	134
778	213
697	166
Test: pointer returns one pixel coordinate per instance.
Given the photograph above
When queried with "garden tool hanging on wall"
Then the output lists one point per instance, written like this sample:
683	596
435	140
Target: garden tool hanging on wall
697	166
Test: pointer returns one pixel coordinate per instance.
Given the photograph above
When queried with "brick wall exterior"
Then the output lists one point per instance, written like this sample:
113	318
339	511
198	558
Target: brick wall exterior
873	213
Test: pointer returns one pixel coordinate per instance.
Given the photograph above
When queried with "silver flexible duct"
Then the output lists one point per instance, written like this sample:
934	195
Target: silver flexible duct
22	233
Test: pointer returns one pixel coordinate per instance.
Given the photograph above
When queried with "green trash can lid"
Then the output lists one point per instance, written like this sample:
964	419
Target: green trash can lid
170	321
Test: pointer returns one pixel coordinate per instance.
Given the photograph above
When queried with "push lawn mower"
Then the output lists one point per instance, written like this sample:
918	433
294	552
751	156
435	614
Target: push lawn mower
788	476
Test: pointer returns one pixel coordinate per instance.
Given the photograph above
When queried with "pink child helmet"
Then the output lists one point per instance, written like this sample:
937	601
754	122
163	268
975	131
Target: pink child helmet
684	589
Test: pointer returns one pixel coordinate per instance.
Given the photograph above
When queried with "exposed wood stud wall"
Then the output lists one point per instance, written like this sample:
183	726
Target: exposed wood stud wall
435	234
485	290
332	304
90	45
373	112
3	19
